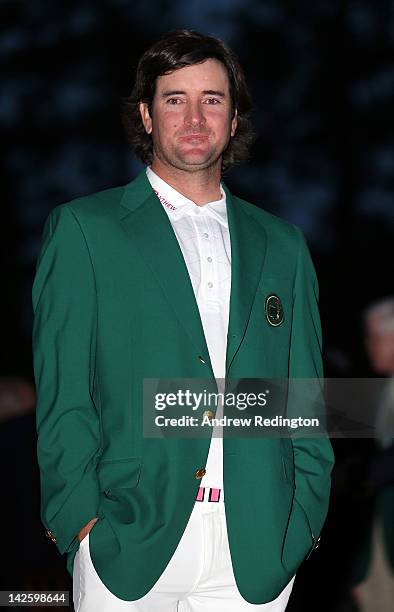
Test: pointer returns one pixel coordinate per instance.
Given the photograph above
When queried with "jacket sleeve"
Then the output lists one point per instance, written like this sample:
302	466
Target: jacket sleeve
313	456
64	341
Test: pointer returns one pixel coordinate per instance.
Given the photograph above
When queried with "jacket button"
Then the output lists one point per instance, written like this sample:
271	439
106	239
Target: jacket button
317	543
208	414
200	473
201	359
50	535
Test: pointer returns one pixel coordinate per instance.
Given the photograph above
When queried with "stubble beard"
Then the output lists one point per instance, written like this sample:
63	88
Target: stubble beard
176	161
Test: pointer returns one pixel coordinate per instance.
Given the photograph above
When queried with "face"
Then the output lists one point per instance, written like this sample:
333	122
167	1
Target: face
380	347
192	118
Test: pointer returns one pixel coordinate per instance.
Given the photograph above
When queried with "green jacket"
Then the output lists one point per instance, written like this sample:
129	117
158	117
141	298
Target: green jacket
113	305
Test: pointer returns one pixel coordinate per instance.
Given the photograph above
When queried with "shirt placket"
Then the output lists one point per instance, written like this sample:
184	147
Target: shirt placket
209	274
210	303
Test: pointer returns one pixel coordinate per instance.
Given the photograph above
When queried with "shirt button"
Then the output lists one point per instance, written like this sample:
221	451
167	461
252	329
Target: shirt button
209	259
206	235
210	285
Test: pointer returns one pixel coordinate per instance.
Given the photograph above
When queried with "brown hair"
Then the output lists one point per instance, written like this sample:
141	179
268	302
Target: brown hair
178	49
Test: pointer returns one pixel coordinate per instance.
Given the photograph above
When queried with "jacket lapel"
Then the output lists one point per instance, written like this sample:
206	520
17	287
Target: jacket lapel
149	228
248	248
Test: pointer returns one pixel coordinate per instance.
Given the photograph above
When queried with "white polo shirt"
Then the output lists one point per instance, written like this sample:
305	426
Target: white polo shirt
203	236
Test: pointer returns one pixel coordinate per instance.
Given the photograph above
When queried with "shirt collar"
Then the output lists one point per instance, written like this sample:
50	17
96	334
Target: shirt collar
177	205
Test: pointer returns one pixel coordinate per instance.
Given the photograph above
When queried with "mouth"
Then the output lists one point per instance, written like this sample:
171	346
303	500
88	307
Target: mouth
194	138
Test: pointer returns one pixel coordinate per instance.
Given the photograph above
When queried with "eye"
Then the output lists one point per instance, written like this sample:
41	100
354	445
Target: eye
212	101
173	101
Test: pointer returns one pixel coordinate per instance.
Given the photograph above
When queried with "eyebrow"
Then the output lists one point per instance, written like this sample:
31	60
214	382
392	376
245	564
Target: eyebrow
206	92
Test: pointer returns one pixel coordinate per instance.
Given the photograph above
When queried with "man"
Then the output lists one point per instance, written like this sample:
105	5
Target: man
134	283
373	570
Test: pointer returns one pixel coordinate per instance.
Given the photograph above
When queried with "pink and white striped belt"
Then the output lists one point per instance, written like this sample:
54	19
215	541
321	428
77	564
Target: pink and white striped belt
208	494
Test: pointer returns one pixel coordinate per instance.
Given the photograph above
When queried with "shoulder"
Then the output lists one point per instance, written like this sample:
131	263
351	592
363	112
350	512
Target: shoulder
287	248
276	229
100	203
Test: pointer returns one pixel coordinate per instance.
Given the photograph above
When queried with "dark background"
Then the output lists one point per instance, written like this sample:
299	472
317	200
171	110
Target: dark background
322	78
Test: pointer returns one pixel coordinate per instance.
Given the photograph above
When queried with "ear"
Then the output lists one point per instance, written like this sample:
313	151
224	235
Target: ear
234	122
145	116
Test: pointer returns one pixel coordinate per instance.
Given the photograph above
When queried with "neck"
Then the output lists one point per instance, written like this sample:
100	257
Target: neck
200	187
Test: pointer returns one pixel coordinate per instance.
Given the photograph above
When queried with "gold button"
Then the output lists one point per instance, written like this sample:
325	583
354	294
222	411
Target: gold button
201	359
208	414
50	535
200	473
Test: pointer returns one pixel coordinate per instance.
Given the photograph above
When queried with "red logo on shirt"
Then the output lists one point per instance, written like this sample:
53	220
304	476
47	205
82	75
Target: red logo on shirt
165	202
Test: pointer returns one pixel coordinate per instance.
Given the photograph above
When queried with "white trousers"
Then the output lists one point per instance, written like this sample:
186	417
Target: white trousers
198	578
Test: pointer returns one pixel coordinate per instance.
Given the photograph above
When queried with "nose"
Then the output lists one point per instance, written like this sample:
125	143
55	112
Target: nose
194	114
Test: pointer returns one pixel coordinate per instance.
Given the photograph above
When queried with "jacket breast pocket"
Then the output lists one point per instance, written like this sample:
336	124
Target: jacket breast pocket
269	327
276	302
119	473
